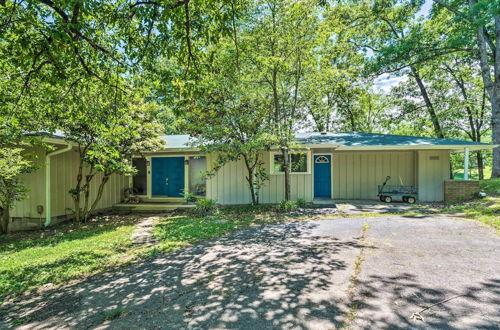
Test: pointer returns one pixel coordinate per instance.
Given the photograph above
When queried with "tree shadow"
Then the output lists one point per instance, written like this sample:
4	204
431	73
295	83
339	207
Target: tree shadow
390	301
264	277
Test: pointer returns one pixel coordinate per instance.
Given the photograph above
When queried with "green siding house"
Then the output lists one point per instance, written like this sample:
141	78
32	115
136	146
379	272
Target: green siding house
344	165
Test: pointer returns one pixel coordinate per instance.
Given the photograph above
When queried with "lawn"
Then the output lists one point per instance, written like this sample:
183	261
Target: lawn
177	231
66	252
30	260
486	210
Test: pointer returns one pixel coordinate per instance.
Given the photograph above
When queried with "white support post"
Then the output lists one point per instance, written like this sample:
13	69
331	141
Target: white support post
466	164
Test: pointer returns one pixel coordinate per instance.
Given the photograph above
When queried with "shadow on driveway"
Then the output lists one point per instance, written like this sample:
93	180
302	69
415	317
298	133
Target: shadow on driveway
265	277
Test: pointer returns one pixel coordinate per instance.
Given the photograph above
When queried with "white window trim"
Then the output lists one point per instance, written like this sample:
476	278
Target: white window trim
271	162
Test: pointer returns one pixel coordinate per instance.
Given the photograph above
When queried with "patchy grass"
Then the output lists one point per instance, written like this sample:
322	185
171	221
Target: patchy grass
491	186
486	210
63	253
178	231
110	316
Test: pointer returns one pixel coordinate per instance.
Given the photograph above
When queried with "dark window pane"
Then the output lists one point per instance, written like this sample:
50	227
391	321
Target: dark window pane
278	164
139	181
299	162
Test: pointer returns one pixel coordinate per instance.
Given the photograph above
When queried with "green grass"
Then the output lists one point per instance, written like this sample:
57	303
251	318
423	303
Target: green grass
70	252
491	186
486	210
179	231
473	173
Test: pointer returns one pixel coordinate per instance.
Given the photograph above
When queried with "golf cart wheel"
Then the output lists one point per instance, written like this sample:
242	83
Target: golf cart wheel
387	199
405	199
410	200
381	198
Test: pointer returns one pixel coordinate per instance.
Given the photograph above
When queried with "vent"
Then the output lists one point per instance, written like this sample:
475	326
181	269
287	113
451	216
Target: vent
434	157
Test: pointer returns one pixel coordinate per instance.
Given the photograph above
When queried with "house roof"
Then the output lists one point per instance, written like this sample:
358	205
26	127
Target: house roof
356	141
341	141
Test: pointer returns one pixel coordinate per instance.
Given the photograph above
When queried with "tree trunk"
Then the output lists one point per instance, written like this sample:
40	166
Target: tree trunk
251	181
5	217
495	132
492	85
430	107
286	163
480	164
438	130
100	190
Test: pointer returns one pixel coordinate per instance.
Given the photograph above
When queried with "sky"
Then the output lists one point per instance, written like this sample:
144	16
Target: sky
384	82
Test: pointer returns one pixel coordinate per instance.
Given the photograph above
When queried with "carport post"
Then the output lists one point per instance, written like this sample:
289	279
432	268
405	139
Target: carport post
466	164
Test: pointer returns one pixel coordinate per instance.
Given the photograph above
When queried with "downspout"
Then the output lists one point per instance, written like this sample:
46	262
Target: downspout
48	207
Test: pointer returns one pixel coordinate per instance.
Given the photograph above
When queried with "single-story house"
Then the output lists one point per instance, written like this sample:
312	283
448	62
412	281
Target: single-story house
344	165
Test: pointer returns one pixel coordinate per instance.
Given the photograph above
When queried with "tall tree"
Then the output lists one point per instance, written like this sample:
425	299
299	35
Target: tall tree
282	36
483	17
225	109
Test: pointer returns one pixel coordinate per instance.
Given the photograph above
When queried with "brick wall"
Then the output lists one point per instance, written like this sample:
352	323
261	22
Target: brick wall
459	190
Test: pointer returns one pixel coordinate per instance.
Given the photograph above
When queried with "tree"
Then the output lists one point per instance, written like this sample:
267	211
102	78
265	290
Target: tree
483	17
108	127
14	161
225	109
281	38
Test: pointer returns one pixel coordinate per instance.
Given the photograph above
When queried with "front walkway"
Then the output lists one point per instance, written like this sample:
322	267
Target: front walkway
355	272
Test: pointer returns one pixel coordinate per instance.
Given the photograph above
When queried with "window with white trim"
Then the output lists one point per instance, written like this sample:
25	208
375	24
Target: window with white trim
298	162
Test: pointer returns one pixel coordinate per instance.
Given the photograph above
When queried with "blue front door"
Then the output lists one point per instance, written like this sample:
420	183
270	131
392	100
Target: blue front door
167	178
322	176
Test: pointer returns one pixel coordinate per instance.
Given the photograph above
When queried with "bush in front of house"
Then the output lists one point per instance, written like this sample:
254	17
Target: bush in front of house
206	206
189	197
287	206
301	203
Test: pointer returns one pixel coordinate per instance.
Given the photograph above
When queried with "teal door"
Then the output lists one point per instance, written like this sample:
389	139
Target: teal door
322	176
167	176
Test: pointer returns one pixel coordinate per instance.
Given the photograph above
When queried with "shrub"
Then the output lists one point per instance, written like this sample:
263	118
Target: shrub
189	197
301	202
287	206
206	207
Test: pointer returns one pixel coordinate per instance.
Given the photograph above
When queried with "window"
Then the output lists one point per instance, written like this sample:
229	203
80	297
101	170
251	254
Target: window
139	180
322	159
197	182
298	163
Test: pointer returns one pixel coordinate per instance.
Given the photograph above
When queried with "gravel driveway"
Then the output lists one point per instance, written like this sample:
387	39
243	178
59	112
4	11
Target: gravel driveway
295	276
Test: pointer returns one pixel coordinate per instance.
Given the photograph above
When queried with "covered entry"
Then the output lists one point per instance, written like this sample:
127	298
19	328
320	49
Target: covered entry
322	176
167	176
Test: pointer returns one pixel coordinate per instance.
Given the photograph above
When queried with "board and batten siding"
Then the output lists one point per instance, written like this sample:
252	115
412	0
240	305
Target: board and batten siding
229	186
356	175
433	170
35	182
63	171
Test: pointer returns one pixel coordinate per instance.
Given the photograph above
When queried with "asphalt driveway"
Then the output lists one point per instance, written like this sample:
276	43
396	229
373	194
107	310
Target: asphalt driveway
306	275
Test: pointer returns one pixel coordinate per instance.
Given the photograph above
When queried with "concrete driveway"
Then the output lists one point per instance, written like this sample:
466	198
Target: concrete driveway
306	275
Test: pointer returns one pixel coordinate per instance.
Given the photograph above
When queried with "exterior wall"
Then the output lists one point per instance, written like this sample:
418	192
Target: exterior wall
228	185
35	181
63	177
433	170
63	171
356	175
458	190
